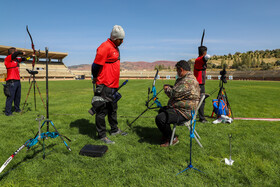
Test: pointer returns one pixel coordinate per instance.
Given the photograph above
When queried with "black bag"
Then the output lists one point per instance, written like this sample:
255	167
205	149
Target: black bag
97	103
7	90
117	97
93	150
98	100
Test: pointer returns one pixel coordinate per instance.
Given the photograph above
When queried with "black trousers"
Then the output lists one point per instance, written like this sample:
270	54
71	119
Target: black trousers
110	109
201	109
167	117
15	90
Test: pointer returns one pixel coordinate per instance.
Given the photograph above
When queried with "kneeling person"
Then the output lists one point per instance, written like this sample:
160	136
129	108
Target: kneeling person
183	97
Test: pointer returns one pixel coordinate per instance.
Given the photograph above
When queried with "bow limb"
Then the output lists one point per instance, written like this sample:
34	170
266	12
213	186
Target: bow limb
155	78
33	47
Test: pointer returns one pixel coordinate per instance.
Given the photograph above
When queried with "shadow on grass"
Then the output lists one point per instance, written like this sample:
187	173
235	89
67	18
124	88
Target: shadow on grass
85	127
27	159
148	134
13	109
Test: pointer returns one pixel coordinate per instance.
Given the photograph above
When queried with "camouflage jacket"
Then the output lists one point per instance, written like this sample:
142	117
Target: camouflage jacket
184	95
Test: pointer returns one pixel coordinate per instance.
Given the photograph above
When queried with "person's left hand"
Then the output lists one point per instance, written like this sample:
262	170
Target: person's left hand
94	80
166	87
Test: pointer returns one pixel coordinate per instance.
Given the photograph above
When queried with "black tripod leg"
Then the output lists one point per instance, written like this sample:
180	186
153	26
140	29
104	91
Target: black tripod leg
26	97
228	103
40	95
60	137
34	93
218	97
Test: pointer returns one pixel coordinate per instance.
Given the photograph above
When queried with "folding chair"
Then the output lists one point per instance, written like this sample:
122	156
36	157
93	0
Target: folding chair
187	123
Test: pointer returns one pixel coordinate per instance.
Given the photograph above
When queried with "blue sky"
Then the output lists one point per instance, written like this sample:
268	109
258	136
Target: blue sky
155	29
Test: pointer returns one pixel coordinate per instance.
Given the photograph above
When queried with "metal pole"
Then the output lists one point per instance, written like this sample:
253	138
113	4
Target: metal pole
34	91
190	145
47	87
230	146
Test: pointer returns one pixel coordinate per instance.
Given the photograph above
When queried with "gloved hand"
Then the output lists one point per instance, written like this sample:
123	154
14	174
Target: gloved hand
207	57
93	80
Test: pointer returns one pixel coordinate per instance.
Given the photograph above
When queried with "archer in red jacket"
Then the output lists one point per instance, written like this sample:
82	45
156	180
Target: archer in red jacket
200	66
106	74
13	80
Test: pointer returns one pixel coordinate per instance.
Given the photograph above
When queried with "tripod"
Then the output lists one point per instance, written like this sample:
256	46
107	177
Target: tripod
48	121
192	127
34	83
222	95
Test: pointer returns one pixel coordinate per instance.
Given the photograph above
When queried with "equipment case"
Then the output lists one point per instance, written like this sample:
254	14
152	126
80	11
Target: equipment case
93	150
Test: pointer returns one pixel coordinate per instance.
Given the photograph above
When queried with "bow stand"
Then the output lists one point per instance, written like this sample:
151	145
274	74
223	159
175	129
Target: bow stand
154	99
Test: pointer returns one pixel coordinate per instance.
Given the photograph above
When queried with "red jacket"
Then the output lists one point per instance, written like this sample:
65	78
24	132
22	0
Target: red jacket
108	57
12	66
200	69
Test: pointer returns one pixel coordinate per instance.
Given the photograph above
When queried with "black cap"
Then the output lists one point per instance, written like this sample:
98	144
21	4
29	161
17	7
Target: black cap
183	64
201	50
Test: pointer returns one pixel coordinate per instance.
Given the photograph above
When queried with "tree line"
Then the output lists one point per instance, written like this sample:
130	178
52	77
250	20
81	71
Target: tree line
248	60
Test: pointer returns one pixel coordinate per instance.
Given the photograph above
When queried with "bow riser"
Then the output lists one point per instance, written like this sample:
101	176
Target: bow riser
154	92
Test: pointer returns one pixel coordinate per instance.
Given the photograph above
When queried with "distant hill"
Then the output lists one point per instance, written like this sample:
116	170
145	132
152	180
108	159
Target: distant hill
259	59
130	66
251	60
148	66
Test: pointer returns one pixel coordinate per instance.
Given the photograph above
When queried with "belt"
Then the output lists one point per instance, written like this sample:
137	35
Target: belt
12	80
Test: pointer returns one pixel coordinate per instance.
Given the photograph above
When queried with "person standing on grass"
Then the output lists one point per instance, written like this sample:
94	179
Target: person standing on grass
106	74
13	80
200	66
183	97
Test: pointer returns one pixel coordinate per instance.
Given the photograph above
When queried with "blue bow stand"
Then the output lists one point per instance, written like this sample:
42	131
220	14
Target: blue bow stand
192	127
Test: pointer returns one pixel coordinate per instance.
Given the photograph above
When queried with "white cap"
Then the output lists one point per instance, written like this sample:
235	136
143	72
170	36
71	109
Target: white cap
117	33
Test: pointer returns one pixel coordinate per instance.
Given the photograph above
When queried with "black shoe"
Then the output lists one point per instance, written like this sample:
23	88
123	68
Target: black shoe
9	114
18	111
203	121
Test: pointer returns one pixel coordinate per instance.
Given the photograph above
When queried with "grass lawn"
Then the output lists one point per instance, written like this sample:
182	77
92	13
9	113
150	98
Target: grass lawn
137	159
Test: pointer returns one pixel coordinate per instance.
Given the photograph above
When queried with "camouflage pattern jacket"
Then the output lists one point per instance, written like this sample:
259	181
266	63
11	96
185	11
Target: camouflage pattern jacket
184	95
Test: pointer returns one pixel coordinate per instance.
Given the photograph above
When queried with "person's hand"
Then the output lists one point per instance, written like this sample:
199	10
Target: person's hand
166	87
206	57
23	53
93	80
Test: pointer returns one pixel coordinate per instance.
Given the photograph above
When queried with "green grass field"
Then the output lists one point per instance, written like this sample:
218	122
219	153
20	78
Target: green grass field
137	159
